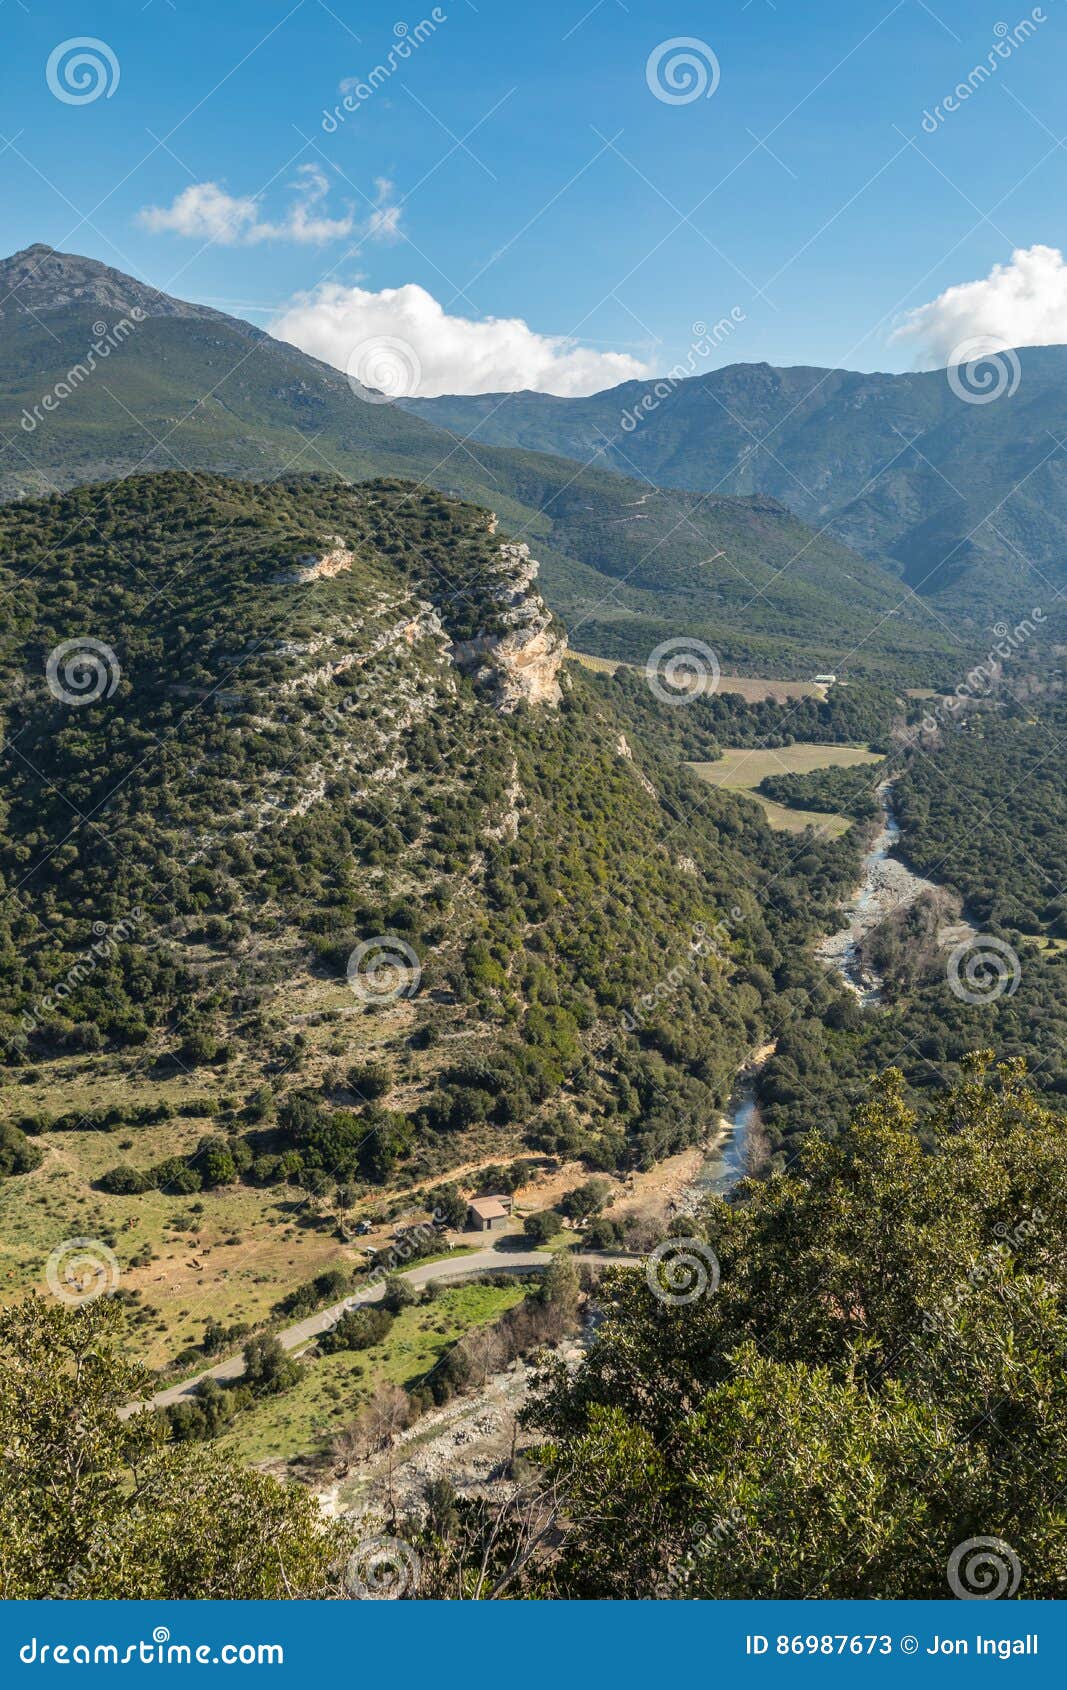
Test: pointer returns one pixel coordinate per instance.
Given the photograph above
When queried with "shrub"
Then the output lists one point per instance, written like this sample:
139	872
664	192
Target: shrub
541	1227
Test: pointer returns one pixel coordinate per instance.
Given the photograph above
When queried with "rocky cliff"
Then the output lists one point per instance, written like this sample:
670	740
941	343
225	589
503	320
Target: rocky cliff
521	663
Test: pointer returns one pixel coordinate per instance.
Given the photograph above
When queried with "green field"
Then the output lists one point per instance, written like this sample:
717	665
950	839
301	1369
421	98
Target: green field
332	1388
742	770
752	688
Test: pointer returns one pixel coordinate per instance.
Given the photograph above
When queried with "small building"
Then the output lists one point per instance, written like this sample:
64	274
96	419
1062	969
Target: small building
825	680
486	1214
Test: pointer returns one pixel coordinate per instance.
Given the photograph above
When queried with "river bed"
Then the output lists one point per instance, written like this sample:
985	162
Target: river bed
727	1160
886	885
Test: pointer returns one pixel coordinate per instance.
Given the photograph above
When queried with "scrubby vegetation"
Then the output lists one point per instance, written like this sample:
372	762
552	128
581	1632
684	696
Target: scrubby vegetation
986	809
845	792
94	1506
870	1383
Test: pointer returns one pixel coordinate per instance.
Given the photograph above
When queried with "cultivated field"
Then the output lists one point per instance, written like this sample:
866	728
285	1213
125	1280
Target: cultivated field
753	688
742	770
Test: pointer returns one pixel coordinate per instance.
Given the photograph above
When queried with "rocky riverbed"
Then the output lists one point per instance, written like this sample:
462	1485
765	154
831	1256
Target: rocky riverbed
887	885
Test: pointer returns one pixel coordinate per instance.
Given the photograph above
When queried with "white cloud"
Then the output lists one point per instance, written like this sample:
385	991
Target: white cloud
1023	303
453	354
204	211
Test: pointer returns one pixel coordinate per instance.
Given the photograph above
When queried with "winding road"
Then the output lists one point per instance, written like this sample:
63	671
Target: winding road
296	1336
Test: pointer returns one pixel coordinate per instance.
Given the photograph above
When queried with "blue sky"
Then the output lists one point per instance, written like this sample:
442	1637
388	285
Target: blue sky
517	164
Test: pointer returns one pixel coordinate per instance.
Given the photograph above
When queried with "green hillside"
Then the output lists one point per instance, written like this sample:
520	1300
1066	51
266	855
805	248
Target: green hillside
281	763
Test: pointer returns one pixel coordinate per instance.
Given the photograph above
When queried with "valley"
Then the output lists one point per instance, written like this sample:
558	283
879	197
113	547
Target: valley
385	871
887	889
191	388
533	838
899	467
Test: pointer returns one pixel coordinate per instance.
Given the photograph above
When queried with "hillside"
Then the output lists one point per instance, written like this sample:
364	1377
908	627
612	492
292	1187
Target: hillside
967	502
179	386
320	872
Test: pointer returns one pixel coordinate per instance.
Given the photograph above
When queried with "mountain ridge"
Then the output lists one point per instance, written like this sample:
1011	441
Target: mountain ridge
189	388
961	493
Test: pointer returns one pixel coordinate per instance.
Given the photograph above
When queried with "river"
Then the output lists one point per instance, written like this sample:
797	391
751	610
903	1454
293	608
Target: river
726	1162
886	886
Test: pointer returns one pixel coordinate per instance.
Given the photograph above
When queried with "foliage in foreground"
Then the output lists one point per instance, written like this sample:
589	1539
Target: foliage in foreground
96	1506
878	1379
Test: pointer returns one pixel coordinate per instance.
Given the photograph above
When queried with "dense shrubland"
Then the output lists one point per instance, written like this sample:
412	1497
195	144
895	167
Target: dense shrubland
873	1383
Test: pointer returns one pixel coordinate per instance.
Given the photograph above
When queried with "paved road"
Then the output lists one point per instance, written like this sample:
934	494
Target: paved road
459	1267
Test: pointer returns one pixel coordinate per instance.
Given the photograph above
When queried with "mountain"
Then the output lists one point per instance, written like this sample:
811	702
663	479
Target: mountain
179	386
317	865
965	501
103	376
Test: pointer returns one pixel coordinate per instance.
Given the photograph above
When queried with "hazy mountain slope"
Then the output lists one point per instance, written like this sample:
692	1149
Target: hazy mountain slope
187	387
965	500
744	575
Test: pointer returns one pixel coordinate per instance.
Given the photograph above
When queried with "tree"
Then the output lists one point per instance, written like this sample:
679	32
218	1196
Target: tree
357	1329
442	1516
386	1415
485	1351
585	1200
269	1368
370	1080
870	1379
449	1208
216	1163
399	1293
539	1228
17	1154
560	1288
95	1506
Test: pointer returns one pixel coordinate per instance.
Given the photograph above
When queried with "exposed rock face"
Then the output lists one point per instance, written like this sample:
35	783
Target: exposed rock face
334	559
622	749
44	281
520	664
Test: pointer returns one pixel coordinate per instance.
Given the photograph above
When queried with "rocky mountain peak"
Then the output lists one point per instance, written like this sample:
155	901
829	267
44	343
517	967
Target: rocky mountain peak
44	281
